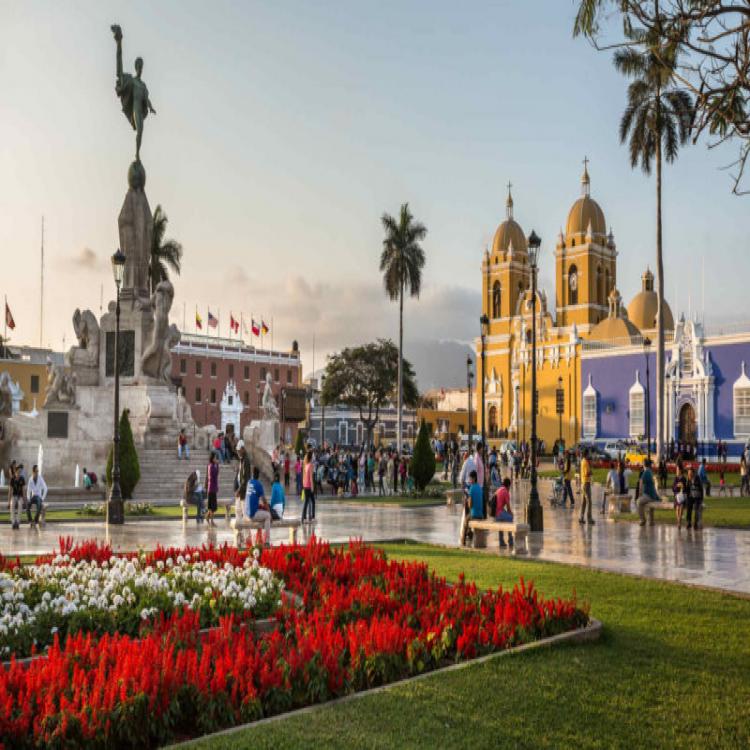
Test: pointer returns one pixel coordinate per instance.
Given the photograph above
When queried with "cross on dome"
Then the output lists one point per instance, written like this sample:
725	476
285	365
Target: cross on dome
585	179
509	202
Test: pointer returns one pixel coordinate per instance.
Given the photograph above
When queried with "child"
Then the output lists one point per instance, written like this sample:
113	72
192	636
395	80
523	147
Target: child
722	484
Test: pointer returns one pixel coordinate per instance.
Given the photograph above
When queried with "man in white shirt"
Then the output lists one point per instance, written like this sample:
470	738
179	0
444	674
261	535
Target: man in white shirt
36	492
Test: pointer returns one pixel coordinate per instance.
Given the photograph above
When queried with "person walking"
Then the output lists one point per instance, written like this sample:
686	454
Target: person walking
694	499
298	475
680	491
17	484
647	491
212	488
308	488
35	494
586	494
703	476
568	472
744	476
256	505
385	471
183	449
287	468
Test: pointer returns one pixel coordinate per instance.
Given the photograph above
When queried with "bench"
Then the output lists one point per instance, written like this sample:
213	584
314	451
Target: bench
481	527
661	505
619	503
240	523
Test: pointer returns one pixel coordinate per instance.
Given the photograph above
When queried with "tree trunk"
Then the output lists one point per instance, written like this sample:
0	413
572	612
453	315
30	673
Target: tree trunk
400	364
660	426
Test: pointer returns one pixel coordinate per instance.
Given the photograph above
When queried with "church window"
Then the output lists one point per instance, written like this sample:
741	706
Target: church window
496	300
637	403
600	286
607	285
573	286
590	411
742	405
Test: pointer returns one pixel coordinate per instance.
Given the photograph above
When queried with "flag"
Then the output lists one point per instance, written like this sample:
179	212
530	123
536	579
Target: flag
198	320
263	327
234	325
212	321
255	328
9	318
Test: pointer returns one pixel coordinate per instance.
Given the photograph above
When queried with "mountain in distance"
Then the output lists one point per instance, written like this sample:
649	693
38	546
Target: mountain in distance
439	363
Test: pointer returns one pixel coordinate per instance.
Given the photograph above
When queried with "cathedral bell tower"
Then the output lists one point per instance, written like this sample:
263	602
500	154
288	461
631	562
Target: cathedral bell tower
585	263
505	272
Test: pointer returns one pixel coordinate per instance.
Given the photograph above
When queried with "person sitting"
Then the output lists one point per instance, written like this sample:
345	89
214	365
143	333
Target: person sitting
474	506
87	483
36	492
503	510
194	494
278	499
256	506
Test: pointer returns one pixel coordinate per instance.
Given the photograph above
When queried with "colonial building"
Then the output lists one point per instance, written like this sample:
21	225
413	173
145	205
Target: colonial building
26	368
587	307
220	375
342	426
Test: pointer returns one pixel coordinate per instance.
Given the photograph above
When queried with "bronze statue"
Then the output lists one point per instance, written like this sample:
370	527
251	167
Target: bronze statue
133	93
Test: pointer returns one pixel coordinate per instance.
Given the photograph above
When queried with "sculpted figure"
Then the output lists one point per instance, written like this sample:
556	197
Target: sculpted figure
133	93
61	386
270	410
86	329
155	361
6	395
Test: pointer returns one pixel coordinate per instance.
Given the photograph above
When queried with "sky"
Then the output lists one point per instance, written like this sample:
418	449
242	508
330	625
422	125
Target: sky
285	129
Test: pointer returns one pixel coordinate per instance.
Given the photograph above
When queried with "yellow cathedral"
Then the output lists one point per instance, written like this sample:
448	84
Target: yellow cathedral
587	307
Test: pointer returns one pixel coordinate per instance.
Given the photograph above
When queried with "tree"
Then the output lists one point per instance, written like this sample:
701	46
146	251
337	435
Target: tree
165	254
423	461
401	263
366	378
299	443
130	469
714	39
655	123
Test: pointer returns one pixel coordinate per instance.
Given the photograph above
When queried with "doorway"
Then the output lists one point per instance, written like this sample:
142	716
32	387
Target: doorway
687	429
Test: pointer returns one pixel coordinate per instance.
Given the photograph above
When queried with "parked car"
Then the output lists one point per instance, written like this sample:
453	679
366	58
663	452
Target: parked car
615	449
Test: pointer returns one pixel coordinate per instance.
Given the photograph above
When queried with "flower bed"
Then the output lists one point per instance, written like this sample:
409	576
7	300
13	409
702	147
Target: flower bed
366	622
101	592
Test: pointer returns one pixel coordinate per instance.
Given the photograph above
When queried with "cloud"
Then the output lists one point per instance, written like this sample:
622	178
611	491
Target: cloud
86	260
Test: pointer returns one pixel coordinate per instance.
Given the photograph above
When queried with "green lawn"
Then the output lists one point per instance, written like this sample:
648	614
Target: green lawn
600	475
721	512
672	670
404	502
160	511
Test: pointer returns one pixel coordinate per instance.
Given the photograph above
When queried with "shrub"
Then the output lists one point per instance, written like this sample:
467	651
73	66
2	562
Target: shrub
299	443
130	470
423	461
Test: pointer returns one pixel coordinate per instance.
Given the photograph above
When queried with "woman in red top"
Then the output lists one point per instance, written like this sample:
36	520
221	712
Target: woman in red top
308	487
503	510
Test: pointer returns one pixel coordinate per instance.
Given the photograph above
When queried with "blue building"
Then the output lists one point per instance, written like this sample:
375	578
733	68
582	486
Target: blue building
707	387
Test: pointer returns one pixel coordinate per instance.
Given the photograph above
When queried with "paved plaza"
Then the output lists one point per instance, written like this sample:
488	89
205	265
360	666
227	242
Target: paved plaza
718	558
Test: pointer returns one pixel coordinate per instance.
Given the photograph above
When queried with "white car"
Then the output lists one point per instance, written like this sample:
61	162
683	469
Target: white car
614	449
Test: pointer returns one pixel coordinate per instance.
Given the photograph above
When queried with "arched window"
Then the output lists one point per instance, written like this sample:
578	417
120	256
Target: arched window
600	293
496	300
607	285
573	286
492	419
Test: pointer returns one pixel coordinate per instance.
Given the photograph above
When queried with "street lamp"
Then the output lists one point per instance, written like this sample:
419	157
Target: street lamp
115	509
468	387
322	414
484	323
560	405
534	512
646	346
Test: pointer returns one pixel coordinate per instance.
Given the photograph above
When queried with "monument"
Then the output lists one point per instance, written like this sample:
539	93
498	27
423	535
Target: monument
74	426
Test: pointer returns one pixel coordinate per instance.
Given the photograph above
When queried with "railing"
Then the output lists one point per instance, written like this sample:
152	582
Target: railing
631	341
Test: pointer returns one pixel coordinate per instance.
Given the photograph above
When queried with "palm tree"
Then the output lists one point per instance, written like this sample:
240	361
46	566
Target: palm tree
656	122
401	264
164	253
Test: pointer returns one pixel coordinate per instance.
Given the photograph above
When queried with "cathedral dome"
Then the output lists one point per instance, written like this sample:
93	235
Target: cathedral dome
644	306
509	234
616	326
586	212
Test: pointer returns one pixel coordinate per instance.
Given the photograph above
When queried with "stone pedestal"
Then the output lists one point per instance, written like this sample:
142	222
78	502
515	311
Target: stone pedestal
135	227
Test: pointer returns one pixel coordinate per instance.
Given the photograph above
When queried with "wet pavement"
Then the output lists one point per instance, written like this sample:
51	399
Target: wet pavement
718	558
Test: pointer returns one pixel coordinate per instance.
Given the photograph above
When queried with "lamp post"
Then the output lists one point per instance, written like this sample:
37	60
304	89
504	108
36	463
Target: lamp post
560	405
484	323
646	346
534	512
115	509
322	415
283	415
468	389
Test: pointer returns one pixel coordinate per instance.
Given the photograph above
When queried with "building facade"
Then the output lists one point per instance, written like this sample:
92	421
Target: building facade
587	307
342	426
26	367
213	370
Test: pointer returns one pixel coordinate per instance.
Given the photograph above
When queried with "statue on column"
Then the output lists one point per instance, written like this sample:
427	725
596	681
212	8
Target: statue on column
133	93
156	360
